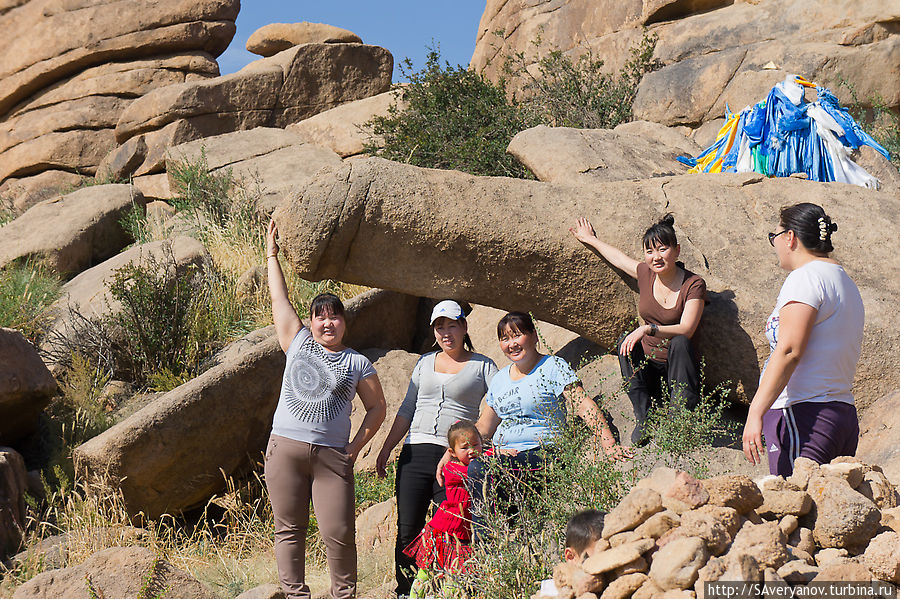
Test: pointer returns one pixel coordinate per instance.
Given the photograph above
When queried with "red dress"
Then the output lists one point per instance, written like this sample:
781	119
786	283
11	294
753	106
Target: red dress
444	542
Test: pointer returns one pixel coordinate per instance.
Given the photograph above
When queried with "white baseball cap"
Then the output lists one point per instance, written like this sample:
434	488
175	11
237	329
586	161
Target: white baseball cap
447	309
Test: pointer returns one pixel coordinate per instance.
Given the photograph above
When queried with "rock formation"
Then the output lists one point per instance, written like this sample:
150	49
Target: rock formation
706	543
271	92
12	500
274	162
711	51
25	386
72	232
115	572
69	70
271	39
505	243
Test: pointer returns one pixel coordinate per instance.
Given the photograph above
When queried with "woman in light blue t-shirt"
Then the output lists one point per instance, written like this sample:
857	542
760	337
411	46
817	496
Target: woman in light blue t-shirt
527	400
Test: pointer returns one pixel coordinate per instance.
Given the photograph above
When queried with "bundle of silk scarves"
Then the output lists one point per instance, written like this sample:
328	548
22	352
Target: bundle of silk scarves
784	134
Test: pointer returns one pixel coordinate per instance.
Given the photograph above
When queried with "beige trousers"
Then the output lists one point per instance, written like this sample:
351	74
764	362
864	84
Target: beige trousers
295	473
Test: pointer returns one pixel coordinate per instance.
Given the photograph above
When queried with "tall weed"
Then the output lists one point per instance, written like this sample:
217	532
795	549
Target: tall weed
26	290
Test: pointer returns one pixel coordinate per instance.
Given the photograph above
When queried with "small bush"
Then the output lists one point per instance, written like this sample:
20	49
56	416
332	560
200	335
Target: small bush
454	119
518	552
882	123
680	436
580	94
8	212
201	192
25	293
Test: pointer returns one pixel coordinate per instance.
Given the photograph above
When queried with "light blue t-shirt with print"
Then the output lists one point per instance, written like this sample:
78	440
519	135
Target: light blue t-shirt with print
531	407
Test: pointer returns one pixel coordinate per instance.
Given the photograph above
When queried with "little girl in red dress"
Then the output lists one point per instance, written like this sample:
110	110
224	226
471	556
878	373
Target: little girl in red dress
443	545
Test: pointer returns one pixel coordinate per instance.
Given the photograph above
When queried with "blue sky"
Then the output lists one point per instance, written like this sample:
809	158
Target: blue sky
404	27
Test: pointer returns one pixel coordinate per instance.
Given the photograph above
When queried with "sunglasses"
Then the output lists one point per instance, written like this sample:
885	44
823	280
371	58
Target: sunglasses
772	236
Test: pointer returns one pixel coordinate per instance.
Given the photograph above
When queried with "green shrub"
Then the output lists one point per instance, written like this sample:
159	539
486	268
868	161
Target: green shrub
25	292
200	193
580	94
454	119
8	210
680	436
879	121
518	552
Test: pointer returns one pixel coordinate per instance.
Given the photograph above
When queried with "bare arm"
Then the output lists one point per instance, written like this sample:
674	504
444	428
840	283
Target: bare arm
585	408
795	323
583	231
395	435
372	396
690	320
487	424
287	323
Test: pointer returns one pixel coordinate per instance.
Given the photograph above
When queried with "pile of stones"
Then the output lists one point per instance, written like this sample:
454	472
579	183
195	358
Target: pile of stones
672	533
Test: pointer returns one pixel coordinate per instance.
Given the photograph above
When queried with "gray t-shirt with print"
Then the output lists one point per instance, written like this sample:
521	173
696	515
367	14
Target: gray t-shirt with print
316	392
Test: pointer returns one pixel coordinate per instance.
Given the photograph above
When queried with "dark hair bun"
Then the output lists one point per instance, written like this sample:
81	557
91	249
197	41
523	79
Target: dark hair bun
668	219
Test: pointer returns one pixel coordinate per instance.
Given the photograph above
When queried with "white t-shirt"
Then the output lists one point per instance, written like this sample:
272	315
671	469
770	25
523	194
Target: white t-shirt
826	369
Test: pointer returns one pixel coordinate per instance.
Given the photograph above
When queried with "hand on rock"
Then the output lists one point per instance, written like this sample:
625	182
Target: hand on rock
271	243
583	230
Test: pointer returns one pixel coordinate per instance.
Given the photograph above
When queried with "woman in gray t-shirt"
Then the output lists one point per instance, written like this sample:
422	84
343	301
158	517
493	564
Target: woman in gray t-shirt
446	386
310	454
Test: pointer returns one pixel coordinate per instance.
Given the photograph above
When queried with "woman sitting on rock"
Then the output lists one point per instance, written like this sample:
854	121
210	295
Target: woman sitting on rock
310	454
804	403
526	402
446	386
671	304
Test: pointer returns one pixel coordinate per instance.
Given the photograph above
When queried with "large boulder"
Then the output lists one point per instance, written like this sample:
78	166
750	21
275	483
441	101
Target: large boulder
12	500
505	243
271	92
271	39
879	429
565	155
69	70
26	386
170	455
342	128
72	232
115	572
710	51
273	161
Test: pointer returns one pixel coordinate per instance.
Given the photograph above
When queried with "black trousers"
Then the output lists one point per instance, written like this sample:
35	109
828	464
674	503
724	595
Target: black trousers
416	488
644	377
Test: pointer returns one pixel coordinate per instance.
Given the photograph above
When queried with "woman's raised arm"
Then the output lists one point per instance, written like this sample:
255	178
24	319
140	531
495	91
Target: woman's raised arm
583	231
287	323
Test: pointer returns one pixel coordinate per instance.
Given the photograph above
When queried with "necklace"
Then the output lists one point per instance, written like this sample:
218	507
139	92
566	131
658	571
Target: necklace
662	293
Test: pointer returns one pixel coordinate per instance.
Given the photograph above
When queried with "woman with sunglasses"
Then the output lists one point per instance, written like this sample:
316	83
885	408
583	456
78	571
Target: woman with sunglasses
804	404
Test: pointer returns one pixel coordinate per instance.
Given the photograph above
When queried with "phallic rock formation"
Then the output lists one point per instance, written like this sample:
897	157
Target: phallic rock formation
271	39
712	51
69	70
505	243
171	455
707	545
72	232
271	92
25	386
115	572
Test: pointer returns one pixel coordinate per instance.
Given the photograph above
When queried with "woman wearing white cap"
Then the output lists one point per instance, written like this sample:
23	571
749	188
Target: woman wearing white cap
446	386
